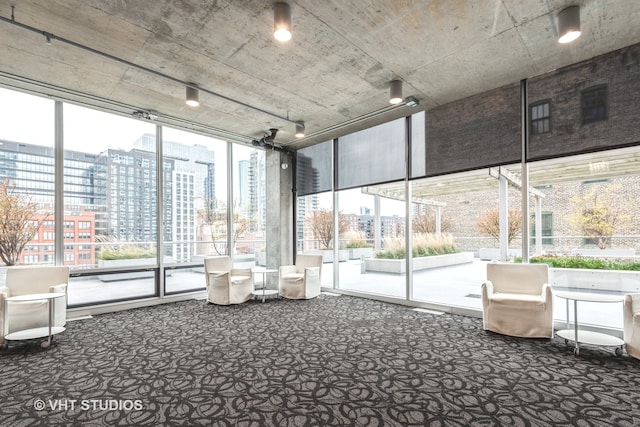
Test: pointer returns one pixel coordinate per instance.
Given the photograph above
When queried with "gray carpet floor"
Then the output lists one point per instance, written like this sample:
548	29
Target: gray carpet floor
330	361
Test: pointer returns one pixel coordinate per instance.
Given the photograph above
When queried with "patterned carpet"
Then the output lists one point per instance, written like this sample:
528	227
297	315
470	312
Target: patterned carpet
331	361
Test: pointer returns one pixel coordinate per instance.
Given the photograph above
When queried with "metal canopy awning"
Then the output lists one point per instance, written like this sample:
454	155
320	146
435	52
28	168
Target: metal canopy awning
591	166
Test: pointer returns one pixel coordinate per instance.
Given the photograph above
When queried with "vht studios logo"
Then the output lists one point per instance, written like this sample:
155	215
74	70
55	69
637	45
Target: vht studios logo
88	405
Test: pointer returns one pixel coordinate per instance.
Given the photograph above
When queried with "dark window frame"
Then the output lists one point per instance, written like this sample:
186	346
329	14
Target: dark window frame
533	123
594	104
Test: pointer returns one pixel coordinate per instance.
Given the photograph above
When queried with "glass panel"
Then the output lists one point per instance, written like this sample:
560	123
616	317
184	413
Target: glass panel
249	206
193	210
26	179
372	237
456	232
91	289
594	231
479	131
372	156
315	231
418	159
111	219
314	169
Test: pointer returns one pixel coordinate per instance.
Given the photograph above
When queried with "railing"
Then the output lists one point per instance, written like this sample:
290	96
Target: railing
619	246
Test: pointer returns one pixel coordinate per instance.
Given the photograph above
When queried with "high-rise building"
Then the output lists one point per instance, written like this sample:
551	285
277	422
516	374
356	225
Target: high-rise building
29	168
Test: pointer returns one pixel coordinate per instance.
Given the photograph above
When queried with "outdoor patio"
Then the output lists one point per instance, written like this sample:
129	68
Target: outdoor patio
456	286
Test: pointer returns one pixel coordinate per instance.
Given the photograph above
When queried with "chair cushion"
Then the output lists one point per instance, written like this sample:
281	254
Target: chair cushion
527	301
293	278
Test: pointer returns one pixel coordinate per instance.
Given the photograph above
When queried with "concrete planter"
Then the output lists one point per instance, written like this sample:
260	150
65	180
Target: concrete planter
595	280
603	253
398	266
327	255
493	254
357	253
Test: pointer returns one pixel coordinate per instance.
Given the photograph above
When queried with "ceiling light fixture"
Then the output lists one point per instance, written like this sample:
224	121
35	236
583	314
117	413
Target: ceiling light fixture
395	92
282	21
193	96
300	130
569	24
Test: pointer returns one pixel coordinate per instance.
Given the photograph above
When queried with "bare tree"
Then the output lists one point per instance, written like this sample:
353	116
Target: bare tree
321	223
214	217
425	223
489	224
599	212
19	222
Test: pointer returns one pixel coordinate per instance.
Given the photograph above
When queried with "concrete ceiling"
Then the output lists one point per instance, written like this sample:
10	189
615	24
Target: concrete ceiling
334	74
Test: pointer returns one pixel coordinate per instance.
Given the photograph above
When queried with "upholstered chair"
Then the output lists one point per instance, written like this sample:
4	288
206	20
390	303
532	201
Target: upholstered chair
517	300
631	324
302	280
26	280
225	284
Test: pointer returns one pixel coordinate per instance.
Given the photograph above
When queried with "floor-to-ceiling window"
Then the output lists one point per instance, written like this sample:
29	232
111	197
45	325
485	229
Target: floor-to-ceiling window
121	232
27	171
372	238
195	200
314	216
110	205
315	224
249	207
592	237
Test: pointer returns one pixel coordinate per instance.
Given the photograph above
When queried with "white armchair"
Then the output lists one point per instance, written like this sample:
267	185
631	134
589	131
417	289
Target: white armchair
225	284
26	280
631	324
302	280
517	300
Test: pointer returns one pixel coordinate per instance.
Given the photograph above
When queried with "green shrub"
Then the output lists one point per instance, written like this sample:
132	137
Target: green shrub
356	240
585	263
129	252
423	245
357	245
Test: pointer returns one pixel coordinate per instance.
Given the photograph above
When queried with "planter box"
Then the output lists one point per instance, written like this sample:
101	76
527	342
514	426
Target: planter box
398	266
493	254
357	253
603	253
595	280
327	255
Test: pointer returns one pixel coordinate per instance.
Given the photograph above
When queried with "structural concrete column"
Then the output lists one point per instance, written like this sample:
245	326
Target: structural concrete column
280	246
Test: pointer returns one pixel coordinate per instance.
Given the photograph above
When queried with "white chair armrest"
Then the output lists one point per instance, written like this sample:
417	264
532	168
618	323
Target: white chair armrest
59	288
241	272
4	291
547	292
312	272
632	302
487	288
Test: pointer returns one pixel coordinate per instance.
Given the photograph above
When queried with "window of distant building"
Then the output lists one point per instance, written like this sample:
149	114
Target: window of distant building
540	117
594	104
547	228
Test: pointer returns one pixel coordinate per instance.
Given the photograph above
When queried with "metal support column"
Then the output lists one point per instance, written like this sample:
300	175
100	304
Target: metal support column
504	218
